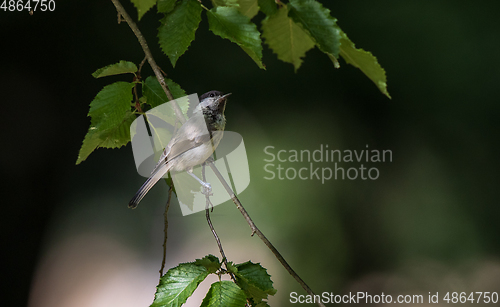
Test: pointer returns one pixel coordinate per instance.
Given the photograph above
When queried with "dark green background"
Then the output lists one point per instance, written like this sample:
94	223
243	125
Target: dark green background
436	203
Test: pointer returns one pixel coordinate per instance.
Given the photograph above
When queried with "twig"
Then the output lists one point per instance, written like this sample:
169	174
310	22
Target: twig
137	102
165	231
150	58
142	64
256	230
209	221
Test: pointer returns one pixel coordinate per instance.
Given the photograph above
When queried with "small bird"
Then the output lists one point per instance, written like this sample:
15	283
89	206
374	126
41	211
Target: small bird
192	145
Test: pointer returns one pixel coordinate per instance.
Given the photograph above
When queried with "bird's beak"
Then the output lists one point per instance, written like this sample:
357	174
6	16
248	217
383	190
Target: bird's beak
225	96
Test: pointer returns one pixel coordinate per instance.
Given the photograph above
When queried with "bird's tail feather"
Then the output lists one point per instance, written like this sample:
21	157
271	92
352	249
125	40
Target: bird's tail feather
152	180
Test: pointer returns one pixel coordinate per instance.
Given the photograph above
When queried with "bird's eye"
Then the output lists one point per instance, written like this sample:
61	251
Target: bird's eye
212	95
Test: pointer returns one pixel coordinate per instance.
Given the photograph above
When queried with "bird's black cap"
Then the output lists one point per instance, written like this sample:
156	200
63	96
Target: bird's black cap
211	94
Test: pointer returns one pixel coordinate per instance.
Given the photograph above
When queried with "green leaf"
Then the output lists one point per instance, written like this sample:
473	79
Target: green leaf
143	6
228	22
286	38
231	267
110	119
165	6
317	22
365	61
254	280
121	67
178	284
112	137
233	3
334	60
224	294
155	96
249	8
268	7
161	135
178	28
262	304
210	262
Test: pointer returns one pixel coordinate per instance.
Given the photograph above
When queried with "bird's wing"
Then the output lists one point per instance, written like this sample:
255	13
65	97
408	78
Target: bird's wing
182	146
162	159
178	148
179	144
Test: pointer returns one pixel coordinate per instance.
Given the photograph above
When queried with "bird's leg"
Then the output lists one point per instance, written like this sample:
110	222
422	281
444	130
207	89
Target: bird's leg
207	188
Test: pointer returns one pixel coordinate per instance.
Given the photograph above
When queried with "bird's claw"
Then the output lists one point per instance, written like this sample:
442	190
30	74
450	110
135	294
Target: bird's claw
207	189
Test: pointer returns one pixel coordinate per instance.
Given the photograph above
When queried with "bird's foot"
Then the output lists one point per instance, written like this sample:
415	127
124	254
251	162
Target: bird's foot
207	189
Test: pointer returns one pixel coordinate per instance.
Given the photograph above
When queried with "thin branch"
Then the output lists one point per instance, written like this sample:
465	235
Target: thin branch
256	230
209	221
137	77
165	232
142	64
150	58
137	102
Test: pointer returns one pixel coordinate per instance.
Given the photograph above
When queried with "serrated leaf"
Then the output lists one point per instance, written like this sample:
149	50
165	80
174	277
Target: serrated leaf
111	103
178	28
143	6
113	137
165	6
254	280
178	284
229	23
365	61
249	8
224	294
268	7
286	38
318	23
231	267
155	95
121	67
233	3
161	135
210	262
110	119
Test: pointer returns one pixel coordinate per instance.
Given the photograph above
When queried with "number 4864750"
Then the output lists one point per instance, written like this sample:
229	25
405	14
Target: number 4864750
472	297
28	5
